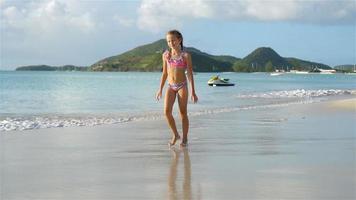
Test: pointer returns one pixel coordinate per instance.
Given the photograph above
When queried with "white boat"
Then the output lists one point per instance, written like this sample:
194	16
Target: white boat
326	71
217	81
276	73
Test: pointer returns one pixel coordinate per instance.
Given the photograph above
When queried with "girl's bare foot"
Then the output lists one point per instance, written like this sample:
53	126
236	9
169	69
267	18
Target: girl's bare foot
184	143
174	140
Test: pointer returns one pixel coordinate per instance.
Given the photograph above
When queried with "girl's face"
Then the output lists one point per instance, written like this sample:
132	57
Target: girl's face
173	42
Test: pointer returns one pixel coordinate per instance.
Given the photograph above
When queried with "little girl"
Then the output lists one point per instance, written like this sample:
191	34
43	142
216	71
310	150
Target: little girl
175	63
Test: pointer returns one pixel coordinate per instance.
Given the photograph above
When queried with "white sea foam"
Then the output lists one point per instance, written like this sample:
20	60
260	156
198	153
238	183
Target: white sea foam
300	93
38	122
29	123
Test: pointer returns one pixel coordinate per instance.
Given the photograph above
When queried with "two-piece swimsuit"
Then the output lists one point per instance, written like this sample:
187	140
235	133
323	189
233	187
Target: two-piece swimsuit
178	63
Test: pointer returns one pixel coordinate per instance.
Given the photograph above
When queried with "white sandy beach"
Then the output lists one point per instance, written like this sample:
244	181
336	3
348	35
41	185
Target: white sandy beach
304	151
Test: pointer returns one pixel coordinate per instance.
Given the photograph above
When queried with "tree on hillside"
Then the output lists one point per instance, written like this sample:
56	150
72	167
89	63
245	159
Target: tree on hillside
269	67
241	66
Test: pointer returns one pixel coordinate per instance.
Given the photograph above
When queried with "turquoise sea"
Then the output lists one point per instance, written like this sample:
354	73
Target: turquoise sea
32	100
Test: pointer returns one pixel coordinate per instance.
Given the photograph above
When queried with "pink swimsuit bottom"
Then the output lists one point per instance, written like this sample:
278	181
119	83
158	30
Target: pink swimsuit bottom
177	86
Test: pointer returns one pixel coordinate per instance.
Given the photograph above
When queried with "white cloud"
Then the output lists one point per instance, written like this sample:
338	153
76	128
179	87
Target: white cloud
161	14
13	16
53	9
327	12
156	15
51	17
271	10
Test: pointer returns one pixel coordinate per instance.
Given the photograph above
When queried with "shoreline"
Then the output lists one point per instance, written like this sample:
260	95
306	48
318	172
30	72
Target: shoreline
272	153
346	102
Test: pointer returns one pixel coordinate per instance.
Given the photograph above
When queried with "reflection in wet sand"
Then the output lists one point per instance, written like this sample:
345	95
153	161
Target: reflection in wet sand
186	193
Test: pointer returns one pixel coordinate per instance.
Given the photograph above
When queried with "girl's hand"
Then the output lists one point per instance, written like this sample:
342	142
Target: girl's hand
159	95
194	98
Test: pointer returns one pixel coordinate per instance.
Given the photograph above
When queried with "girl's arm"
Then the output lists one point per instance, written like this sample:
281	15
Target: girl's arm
163	78
194	97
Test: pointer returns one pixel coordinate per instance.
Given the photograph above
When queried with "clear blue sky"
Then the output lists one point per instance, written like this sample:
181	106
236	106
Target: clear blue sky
59	32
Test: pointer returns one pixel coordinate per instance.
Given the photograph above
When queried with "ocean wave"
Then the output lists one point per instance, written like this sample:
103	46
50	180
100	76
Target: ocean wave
40	122
299	93
293	97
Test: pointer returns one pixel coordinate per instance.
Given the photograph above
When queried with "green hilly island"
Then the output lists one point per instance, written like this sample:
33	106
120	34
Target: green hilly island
52	68
265	59
346	68
149	58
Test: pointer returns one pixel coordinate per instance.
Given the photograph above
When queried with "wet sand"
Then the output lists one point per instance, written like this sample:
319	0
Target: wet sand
346	104
302	151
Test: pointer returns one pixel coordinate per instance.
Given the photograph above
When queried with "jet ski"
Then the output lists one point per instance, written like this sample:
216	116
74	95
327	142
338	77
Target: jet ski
217	81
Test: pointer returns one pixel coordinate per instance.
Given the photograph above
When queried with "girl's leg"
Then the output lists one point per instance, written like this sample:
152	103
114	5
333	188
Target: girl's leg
168	106
183	102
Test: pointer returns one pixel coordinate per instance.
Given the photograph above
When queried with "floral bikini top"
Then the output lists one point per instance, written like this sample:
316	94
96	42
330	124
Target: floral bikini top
178	63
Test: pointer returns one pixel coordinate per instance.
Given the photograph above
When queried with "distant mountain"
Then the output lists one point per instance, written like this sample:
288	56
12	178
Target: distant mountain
265	59
149	58
304	65
222	58
261	59
345	68
36	68
52	68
